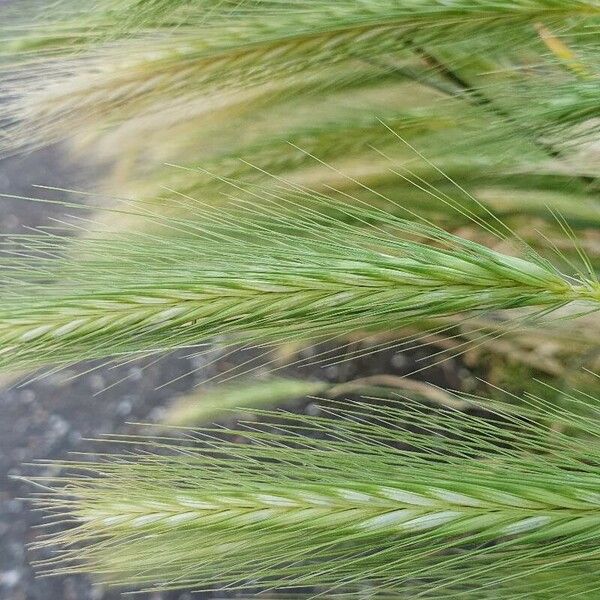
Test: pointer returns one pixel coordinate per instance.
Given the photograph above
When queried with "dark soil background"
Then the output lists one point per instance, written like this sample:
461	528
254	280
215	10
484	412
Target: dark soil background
50	416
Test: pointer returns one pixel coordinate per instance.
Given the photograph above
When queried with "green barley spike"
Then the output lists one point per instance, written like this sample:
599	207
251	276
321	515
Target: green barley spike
375	496
257	277
134	58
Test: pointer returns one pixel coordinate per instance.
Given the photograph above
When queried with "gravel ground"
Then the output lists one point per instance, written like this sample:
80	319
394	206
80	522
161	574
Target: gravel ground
48	417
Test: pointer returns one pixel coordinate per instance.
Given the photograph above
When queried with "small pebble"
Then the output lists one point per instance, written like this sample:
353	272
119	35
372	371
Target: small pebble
135	374
332	373
312	409
27	396
399	360
97	592
10	578
124	408
96	382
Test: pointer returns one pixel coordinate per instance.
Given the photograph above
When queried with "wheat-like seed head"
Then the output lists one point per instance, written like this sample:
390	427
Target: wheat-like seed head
262	278
134	59
398	496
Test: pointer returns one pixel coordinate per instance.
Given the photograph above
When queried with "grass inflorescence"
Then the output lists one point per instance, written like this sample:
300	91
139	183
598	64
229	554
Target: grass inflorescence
258	277
120	61
499	503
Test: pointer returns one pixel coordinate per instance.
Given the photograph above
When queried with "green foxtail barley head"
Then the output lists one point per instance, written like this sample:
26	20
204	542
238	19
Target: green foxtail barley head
119	61
257	276
432	504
